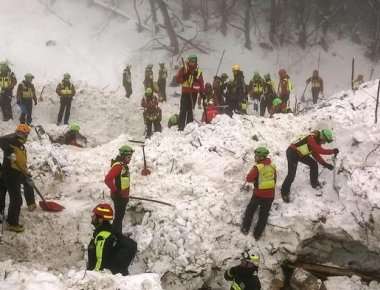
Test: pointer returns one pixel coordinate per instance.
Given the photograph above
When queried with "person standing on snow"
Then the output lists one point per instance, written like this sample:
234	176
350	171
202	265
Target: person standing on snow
152	113
263	175
127	80
149	79
269	94
255	90
190	76
316	85
301	151
7	82
236	95
245	275
118	181
161	82
66	91
285	87
109	250
15	173
26	95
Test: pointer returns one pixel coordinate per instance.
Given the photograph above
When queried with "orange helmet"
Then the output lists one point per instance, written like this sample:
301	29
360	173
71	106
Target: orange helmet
104	211
23	129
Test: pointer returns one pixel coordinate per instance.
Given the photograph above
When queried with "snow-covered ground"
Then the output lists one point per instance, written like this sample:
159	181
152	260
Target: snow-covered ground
200	170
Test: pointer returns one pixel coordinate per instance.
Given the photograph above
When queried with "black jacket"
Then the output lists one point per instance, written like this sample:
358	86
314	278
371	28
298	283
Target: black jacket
245	277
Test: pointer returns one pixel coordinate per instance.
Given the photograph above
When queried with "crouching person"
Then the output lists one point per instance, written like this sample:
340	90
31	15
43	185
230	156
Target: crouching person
244	276
109	250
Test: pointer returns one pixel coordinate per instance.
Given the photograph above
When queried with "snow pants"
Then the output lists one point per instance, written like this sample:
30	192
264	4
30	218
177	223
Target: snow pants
162	89
265	205
128	89
65	107
120	205
5	103
124	255
187	104
265	104
26	113
156	124
293	159
315	94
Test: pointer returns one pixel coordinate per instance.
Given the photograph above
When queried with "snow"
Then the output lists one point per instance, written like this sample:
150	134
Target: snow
199	170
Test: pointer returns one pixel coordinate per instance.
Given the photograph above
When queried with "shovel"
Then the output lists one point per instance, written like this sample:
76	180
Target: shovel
145	170
48	205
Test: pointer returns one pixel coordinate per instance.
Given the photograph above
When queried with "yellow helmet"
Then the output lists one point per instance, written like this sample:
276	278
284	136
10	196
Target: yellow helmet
235	67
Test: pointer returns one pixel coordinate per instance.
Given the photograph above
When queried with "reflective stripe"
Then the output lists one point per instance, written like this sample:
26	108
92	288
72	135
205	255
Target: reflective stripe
124	177
236	286
100	240
302	148
66	90
20	161
189	82
243	105
267	175
27	92
5	82
315	83
258	88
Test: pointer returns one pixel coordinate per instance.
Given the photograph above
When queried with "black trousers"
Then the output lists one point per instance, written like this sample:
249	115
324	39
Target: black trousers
162	89
233	107
315	93
64	108
128	89
120	205
3	192
26	115
265	205
293	159
155	124
5	103
264	105
187	104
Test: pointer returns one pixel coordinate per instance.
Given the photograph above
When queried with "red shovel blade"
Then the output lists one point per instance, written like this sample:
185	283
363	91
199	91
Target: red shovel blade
145	172
51	206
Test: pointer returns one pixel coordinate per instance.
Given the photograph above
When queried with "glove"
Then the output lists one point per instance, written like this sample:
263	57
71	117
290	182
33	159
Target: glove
35	103
336	151
329	166
29	181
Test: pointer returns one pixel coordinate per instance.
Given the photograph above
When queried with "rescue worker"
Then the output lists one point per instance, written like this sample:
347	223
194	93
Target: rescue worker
109	250
308	150
66	91
236	95
173	120
15	173
263	175
152	112
26	95
7	82
269	94
316	85
255	90
191	79
210	109
127	81
219	87
161	82
71	137
285	87
118	181
357	82
245	275
148	79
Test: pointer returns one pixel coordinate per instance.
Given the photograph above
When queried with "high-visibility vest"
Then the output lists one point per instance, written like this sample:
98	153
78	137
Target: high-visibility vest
5	82
66	90
257	88
27	92
190	80
267	174
301	145
100	241
124	176
315	83
20	161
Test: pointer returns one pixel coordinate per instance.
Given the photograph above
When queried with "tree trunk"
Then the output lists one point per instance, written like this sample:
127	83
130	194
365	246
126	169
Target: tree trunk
154	15
139	25
168	26
247	24
204	12
273	21
186	9
224	14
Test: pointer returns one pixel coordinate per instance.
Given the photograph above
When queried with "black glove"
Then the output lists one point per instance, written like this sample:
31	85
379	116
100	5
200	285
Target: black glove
336	151
29	181
329	166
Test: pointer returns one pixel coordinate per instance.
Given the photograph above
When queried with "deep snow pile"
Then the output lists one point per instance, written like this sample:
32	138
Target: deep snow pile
200	171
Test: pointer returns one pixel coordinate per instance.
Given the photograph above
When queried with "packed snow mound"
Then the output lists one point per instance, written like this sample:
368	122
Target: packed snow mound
200	171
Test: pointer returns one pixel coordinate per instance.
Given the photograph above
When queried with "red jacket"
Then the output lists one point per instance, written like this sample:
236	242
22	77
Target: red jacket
197	85
253	176
316	149
112	180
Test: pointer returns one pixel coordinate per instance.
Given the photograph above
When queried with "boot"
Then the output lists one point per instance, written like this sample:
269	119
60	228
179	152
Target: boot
32	207
285	197
15	228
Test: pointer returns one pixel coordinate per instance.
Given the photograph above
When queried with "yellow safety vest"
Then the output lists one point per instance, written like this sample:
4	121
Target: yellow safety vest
257	88
100	240
27	92
125	179
5	82
303	148
21	159
189	82
267	174
315	83
66	90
